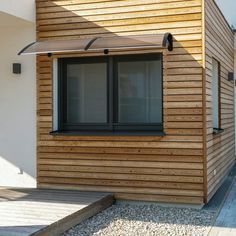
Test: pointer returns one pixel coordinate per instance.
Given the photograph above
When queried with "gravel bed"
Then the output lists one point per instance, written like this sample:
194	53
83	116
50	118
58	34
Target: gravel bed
145	220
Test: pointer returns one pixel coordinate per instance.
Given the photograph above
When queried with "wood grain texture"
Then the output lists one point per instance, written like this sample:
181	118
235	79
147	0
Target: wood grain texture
47	212
220	153
168	168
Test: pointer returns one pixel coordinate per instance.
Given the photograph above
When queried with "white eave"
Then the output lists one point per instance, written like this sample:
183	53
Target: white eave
23	9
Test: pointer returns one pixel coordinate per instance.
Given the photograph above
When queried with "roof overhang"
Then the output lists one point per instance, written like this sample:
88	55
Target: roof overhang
100	44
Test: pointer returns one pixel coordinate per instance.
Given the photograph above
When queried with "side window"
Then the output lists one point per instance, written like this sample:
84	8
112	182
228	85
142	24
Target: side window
216	93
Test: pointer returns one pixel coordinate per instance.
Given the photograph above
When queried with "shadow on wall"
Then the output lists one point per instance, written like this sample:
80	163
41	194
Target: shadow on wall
9	172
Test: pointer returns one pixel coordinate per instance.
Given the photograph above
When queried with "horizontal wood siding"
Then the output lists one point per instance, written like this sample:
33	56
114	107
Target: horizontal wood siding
168	168
220	148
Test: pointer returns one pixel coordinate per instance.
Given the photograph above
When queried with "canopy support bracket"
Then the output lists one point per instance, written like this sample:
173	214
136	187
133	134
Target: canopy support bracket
26	48
90	43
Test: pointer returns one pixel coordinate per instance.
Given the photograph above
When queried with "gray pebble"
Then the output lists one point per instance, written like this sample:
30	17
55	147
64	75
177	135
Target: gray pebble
145	220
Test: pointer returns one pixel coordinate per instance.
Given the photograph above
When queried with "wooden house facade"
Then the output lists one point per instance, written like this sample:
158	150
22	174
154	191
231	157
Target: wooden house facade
187	159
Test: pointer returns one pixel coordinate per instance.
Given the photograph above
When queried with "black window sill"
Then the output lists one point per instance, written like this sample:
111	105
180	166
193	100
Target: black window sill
217	131
107	133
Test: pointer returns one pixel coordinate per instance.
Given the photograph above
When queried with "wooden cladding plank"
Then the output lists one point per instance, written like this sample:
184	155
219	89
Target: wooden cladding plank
158	198
71	177
59	6
48	3
125	170
174	165
117	28
120	157
138	27
128	183
143	190
190	34
169	138
116	144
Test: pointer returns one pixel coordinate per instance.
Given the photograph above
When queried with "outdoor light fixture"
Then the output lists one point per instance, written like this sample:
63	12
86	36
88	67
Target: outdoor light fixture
230	76
16	68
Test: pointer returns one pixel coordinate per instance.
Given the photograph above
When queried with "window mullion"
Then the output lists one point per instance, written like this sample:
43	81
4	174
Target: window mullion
115	92
110	93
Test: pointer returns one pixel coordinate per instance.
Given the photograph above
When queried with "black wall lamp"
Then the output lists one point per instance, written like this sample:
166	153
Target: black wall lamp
230	76
16	68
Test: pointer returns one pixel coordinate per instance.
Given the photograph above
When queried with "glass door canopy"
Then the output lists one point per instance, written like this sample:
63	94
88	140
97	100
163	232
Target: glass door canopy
104	44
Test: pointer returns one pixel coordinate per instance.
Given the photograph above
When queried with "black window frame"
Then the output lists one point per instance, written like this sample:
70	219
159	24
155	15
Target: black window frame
112	125
62	88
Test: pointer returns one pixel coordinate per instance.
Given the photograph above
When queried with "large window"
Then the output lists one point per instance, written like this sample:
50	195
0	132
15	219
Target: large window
119	93
216	94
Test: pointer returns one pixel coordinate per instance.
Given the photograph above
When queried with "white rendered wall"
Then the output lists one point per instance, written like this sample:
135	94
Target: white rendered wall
17	107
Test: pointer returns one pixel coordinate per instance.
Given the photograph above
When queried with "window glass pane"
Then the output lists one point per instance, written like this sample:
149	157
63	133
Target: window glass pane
140	92
215	93
87	93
